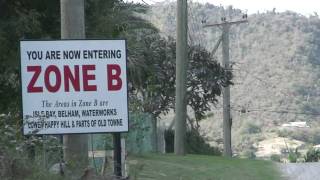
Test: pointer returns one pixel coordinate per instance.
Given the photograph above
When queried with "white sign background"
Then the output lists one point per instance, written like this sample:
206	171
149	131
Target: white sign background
41	115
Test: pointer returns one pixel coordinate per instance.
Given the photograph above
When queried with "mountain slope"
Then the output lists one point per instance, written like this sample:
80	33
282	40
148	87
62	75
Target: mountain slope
276	63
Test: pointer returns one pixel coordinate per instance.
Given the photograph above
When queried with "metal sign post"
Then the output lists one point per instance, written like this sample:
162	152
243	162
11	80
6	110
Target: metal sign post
117	154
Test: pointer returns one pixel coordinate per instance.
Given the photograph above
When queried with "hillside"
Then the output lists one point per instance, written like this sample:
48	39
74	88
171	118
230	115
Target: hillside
276	64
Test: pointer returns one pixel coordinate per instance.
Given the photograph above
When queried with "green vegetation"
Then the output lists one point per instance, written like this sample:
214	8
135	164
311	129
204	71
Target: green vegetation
275	157
311	136
196	144
151	74
251	127
22	157
276	66
293	155
199	167
313	155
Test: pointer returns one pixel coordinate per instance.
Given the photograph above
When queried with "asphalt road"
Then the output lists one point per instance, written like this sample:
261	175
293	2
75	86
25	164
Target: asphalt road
301	171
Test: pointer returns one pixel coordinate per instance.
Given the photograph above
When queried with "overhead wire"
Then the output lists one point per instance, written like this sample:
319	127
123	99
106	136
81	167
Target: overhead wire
268	85
278	111
191	31
287	111
195	25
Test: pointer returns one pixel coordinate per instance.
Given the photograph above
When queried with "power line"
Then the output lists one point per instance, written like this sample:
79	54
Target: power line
267	83
277	111
191	24
196	32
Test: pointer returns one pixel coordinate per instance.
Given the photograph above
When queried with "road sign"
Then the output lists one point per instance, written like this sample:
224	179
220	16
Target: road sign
74	86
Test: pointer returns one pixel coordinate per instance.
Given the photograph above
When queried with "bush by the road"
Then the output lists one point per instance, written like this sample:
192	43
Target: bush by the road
196	144
313	155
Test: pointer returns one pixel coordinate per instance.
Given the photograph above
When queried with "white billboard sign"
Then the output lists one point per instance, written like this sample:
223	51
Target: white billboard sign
74	86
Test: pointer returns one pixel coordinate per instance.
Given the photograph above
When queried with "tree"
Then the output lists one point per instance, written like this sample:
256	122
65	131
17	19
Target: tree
114	18
21	19
152	88
152	77
33	19
151	58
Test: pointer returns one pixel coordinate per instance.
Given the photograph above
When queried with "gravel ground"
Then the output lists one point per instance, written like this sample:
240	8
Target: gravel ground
301	171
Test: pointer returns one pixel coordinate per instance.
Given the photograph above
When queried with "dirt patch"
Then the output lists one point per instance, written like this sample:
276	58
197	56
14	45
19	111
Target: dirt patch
276	145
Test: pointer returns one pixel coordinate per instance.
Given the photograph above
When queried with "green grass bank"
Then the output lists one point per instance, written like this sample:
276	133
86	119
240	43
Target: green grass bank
200	167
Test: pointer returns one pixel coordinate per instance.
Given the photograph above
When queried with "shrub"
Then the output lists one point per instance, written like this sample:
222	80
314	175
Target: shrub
309	135
275	157
293	155
195	144
283	133
244	143
312	155
302	135
251	128
315	136
249	153
19	155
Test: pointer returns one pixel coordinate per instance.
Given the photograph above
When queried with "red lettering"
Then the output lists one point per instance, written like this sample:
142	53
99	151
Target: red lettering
31	86
48	84
114	77
69	77
87	77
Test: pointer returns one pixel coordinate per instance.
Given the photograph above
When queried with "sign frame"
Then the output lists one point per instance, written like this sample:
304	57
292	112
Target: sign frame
127	120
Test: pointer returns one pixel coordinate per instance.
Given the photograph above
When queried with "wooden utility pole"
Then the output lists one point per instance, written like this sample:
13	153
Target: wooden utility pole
73	27
181	76
226	94
227	120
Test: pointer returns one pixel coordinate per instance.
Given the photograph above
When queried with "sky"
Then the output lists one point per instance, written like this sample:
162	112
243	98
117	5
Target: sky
305	7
